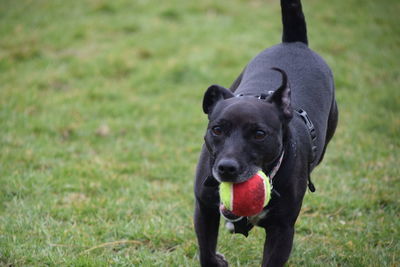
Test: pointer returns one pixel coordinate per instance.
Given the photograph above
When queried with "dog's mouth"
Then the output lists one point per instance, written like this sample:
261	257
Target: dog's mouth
236	177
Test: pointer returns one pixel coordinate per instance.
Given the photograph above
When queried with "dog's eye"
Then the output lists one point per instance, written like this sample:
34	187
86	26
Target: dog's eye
216	130
259	135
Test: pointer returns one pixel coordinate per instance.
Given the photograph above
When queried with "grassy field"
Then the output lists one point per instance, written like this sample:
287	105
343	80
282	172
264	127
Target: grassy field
101	126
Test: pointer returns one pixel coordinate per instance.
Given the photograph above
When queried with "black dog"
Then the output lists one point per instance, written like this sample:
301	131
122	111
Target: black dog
278	116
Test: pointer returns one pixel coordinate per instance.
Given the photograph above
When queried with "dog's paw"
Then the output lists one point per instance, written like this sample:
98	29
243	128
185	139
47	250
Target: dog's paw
221	261
214	261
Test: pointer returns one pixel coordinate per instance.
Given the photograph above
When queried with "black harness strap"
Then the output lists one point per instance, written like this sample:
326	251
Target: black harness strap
311	129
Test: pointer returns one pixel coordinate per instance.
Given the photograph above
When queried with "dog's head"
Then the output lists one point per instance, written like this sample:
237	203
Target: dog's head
245	134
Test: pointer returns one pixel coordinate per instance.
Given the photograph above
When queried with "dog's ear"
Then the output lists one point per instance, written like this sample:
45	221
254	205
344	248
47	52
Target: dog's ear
281	97
214	94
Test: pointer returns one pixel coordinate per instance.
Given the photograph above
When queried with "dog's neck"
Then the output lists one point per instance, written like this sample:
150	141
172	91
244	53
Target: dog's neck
272	168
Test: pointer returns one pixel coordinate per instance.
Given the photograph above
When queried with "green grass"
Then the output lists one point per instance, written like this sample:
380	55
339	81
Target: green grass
101	126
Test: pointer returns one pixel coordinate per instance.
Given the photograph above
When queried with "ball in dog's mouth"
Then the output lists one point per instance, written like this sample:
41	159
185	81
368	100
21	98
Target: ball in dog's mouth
247	198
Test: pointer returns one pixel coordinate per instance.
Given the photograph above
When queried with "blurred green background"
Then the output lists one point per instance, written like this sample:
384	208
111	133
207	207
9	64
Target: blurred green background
101	126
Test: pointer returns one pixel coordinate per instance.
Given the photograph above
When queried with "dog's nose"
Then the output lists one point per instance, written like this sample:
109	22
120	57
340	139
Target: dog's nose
228	167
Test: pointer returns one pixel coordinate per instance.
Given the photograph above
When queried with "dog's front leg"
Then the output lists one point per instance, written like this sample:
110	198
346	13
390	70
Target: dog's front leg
278	245
206	221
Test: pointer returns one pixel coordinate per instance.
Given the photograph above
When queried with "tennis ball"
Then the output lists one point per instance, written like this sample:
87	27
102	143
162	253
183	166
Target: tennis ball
247	198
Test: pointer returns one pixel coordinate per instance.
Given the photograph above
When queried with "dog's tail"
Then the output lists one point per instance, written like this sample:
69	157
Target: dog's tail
294	23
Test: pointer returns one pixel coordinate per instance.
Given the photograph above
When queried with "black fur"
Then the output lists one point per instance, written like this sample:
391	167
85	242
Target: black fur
246	134
294	24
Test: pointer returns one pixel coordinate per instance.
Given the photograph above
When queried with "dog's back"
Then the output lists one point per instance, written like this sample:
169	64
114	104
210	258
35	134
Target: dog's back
309	76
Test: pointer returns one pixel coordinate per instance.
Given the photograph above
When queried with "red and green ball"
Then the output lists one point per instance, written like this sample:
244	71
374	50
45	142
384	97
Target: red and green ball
247	198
